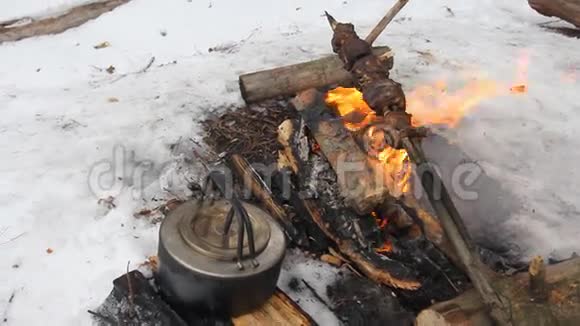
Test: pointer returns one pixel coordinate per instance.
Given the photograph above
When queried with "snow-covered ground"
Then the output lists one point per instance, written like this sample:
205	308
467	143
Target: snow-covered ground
66	121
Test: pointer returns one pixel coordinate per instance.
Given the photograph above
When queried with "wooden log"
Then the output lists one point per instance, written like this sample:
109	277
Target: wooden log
260	190
289	80
561	307
14	31
279	310
568	10
358	180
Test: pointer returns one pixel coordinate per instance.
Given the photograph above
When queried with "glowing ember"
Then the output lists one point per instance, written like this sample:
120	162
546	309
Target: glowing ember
519	88
521	84
381	222
386	247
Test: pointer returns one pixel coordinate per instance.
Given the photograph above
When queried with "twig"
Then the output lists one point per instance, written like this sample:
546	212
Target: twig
437	267
370	39
138	72
147	66
317	296
5	314
10	240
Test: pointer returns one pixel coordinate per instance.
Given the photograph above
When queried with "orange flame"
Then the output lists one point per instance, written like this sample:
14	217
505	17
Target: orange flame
521	84
429	105
350	105
386	247
433	104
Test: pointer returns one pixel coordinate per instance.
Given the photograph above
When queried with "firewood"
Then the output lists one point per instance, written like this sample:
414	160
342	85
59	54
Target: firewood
391	273
562	305
348	249
568	10
279	310
289	80
74	17
357	177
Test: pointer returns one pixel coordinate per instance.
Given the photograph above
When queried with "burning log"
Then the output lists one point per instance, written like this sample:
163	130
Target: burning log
338	222
568	10
357	177
319	199
387	99
560	306
289	80
364	189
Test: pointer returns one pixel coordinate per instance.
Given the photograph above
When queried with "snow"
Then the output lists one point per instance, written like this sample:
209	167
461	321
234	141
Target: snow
60	129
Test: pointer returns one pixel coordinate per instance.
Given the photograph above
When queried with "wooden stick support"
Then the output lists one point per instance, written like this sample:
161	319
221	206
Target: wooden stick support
370	39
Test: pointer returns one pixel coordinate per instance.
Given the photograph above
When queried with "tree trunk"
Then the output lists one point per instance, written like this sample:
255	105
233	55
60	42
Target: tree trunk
568	10
289	80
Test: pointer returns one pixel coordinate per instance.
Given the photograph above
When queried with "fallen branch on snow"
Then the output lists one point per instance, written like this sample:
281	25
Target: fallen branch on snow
18	29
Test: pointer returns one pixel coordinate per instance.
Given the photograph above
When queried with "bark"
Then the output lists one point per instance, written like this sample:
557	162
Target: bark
568	10
289	80
12	31
279	310
561	306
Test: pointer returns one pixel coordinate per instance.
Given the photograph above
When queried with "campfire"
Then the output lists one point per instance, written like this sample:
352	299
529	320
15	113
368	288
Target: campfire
335	166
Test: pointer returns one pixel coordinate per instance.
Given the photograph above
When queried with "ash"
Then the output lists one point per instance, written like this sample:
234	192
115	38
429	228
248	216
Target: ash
358	301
